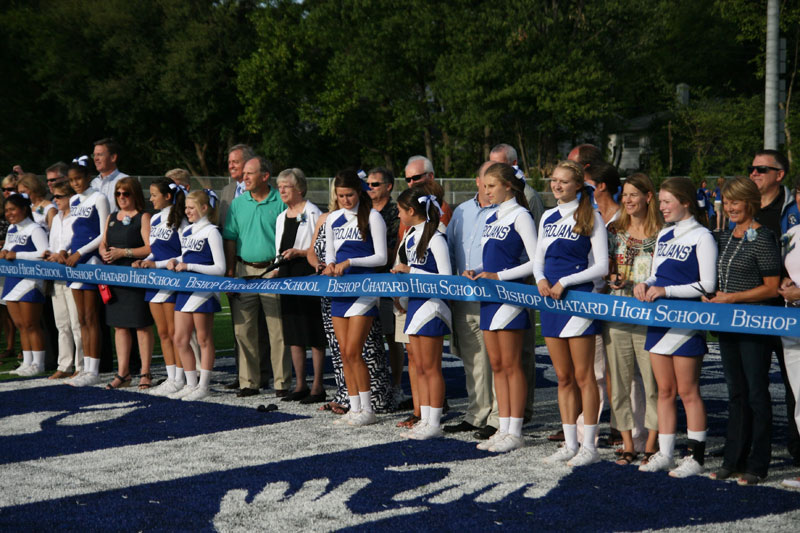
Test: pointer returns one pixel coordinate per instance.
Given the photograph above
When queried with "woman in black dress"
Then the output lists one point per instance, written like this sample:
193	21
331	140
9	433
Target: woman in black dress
126	239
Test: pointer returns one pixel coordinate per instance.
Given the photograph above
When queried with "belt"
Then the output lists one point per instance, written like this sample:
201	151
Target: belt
263	264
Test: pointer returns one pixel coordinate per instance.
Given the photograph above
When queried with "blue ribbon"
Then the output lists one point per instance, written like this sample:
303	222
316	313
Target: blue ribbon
755	319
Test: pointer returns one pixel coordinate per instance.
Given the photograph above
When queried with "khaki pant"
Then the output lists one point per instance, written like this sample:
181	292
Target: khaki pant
70	345
244	312
625	349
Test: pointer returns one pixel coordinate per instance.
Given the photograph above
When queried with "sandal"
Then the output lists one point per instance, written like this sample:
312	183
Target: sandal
335	408
149	378
627	458
123	382
408	422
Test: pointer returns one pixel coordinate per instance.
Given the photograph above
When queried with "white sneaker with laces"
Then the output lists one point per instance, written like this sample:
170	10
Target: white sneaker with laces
345	418
197	394
408	434
427	432
562	455
185	391
364	418
658	462
687	467
488	443
30	370
506	444
85	379
168	387
584	457
19	369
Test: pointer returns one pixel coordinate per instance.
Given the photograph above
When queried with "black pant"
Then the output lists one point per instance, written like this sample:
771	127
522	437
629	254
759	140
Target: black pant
746	362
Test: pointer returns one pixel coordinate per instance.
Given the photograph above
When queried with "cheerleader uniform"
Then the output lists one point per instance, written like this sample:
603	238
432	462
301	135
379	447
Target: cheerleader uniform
201	244
575	261
685	264
40	216
90	211
430	317
165	244
29	241
342	242
509	234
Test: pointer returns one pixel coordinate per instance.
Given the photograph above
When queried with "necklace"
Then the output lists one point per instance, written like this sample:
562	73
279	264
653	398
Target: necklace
723	280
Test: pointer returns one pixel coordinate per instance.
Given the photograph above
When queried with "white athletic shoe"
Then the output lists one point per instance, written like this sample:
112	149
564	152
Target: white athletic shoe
345	418
408	434
20	368
30	370
170	386
506	444
791	483
426	432
562	455
85	379
488	443
364	418
688	467
197	394
185	391
584	457
658	462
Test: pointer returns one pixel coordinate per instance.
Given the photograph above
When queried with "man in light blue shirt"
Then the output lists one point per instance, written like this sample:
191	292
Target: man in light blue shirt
106	154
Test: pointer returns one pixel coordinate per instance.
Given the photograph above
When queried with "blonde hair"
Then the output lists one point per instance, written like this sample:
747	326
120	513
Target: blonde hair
179	176
200	197
32	183
584	215
654	219
743	189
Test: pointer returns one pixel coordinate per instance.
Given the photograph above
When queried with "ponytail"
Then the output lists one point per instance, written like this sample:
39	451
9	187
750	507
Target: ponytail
422	204
584	215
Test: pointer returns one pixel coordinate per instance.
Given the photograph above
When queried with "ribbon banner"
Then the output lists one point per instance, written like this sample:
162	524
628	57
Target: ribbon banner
755	319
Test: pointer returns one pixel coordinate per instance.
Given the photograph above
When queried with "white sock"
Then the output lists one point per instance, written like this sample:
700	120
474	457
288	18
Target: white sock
191	377
425	412
170	372
515	426
589	432
666	444
27	357
435	419
91	365
570	435
503	424
355	403
205	379
366	401
699	436
180	376
38	358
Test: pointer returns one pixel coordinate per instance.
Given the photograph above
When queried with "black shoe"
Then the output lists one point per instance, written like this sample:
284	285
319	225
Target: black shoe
281	393
485	432
460	428
296	396
313	398
233	385
244	393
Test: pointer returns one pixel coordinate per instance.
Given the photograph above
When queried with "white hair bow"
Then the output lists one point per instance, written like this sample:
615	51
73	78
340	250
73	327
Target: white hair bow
428	200
520	175
175	187
82	160
212	198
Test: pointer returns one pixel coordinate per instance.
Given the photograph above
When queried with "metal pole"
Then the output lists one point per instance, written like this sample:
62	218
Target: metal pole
771	77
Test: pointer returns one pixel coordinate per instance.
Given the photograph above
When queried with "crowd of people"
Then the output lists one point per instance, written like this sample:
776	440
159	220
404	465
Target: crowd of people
603	235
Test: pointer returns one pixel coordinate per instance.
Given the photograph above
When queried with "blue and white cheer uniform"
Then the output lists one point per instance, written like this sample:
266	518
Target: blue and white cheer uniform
430	317
29	240
201	244
508	236
90	211
576	261
165	244
342	242
685	261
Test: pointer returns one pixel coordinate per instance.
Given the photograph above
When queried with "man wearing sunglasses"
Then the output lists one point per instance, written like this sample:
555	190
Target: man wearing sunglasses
55	174
778	213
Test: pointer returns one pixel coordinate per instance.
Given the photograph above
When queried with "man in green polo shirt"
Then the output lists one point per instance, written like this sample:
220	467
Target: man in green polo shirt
249	236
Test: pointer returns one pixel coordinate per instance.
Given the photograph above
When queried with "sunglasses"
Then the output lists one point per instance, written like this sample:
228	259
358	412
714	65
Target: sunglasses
60	196
55	180
761	169
416	178
9	189
374	184
123	194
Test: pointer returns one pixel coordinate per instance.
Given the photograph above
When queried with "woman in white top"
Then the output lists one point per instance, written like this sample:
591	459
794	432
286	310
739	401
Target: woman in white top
301	315
43	209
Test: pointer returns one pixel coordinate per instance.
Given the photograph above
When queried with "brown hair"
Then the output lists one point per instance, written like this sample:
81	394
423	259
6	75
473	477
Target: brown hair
409	199
683	190
348	179
743	189
508	175
135	188
584	215
654	220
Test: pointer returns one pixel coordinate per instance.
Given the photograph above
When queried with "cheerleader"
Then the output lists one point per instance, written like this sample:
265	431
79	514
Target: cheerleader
684	266
572	253
355	243
166	226
509	235
24	297
89	208
201	244
428	320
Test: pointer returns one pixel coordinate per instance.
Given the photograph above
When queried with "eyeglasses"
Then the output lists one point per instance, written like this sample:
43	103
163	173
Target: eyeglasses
374	184
123	194
761	169
418	177
9	189
60	196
